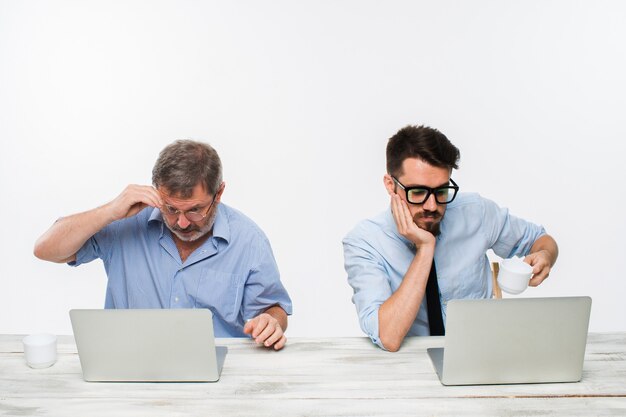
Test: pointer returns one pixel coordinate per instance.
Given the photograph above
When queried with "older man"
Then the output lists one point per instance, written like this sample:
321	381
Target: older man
175	245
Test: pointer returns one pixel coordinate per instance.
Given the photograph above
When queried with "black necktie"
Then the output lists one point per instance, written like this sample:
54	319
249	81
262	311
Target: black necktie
435	320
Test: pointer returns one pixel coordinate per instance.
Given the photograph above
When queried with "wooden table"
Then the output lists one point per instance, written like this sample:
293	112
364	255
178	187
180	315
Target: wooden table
311	377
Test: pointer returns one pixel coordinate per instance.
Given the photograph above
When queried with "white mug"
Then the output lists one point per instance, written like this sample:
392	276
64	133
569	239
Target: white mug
40	350
514	275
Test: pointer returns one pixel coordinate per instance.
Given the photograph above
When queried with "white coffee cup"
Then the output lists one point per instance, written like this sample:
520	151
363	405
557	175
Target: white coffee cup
514	275
40	350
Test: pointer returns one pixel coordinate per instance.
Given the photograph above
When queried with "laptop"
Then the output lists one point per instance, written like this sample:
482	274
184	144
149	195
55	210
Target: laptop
513	341
147	345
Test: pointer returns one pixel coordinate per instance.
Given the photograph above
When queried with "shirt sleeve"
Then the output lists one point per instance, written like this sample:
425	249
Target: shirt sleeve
509	235
369	281
263	287
97	246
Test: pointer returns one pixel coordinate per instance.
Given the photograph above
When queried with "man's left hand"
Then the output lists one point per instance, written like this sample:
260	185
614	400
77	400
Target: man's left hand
266	330
540	261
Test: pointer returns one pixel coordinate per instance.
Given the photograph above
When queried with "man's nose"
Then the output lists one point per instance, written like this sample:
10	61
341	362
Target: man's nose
183	221
430	204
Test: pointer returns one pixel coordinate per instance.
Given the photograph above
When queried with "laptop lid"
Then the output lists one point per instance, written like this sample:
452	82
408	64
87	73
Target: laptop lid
147	345
516	340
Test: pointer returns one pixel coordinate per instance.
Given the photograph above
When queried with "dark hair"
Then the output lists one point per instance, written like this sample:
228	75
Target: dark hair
422	142
185	163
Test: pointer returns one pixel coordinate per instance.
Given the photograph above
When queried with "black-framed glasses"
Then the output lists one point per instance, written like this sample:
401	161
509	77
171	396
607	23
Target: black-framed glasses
192	215
418	195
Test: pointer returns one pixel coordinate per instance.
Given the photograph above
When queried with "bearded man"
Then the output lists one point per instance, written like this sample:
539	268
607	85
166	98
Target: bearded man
430	246
175	245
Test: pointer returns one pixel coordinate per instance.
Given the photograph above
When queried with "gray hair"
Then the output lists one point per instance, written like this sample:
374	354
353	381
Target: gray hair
185	163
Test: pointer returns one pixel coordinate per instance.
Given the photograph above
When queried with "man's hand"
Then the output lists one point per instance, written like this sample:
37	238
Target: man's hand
405	224
542	257
68	234
266	330
132	200
540	261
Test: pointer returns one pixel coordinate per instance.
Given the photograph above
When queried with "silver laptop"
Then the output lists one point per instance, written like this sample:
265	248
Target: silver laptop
513	341
147	345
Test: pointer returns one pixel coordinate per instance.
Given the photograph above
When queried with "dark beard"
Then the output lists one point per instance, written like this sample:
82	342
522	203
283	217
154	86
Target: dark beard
434	227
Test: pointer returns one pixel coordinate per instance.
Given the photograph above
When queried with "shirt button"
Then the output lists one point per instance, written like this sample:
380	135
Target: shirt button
175	299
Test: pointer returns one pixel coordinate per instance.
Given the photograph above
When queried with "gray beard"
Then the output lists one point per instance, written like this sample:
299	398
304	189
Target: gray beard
203	230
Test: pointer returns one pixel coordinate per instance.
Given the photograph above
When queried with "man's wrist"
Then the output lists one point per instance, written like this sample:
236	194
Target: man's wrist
425	248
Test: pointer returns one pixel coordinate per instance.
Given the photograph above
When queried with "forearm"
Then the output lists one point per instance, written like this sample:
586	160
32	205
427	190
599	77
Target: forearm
548	244
397	314
68	234
279	314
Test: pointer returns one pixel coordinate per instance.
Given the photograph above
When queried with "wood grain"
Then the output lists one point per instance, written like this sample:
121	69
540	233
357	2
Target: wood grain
312	377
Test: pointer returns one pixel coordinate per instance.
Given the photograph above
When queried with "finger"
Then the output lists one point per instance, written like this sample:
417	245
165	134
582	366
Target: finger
154	196
136	208
406	213
394	206
538	262
151	197
529	259
266	333
539	277
395	209
274	337
260	326
249	326
403	225
281	343
141	194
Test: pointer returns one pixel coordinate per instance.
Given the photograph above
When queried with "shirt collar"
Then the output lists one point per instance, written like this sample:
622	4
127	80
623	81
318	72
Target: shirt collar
221	227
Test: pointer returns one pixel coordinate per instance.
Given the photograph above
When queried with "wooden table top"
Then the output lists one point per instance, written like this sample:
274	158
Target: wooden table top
311	377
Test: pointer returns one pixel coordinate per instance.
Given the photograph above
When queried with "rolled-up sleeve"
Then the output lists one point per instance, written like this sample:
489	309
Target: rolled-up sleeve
263	287
368	278
509	235
97	246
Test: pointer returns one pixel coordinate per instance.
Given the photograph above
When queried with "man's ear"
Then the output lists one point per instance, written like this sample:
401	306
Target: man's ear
389	184
220	190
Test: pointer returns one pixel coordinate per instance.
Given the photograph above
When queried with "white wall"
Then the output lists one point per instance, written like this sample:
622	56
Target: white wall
299	99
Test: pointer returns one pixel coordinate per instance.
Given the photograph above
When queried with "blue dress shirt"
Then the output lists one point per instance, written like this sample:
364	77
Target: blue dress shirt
377	257
233	273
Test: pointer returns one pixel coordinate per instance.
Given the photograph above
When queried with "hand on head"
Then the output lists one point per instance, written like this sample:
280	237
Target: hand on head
133	199
405	224
266	330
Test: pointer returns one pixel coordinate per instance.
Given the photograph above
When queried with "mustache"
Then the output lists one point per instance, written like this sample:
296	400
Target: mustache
429	215
189	228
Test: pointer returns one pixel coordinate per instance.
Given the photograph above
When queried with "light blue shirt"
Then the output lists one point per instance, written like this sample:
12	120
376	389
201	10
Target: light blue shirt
377	257
233	273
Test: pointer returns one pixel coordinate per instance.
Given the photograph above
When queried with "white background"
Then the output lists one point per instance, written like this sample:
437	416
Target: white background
299	98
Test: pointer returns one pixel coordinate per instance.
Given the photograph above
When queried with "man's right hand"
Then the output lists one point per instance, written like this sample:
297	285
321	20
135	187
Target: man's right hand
68	234
398	312
405	224
132	200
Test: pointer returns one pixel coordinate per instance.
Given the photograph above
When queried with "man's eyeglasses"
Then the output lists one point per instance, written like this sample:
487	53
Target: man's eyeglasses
192	215
418	195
